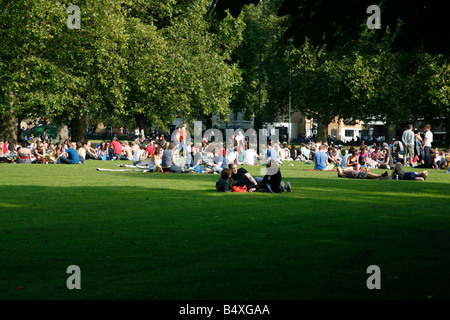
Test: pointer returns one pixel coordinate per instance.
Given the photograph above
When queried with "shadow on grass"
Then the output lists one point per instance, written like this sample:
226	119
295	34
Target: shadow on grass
165	242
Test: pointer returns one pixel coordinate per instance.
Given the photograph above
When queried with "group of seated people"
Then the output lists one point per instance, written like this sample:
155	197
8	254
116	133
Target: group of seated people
40	151
326	158
163	156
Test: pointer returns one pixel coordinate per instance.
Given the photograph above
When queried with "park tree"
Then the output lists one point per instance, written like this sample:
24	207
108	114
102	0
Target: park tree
397	80
265	73
21	35
64	73
128	59
337	23
181	60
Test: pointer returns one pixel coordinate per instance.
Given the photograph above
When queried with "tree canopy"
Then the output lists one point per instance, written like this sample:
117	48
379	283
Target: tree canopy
336	23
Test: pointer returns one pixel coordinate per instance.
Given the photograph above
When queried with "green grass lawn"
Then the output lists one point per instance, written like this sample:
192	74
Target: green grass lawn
159	236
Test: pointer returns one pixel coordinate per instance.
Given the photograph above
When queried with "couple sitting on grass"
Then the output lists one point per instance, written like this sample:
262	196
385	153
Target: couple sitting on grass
232	177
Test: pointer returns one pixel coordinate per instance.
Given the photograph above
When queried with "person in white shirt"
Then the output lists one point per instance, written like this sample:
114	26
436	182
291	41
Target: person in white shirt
427	142
250	157
139	155
240	139
136	134
305	152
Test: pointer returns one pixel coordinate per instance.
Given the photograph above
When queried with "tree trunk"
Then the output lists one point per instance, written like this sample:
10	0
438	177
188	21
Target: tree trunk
8	123
390	131
141	121
79	129
20	136
209	121
8	127
322	127
447	128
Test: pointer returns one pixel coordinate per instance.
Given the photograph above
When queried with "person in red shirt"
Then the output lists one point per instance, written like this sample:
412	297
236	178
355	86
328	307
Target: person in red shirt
151	148
116	150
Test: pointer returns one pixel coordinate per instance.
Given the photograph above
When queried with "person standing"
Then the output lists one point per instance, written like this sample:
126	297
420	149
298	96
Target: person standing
408	142
45	134
427	142
183	144
418	145
142	135
136	134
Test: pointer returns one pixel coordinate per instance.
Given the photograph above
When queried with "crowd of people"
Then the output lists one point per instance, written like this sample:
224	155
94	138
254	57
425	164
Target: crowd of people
178	156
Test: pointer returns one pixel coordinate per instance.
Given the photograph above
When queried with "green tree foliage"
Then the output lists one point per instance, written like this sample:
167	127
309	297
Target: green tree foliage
131	59
337	23
263	91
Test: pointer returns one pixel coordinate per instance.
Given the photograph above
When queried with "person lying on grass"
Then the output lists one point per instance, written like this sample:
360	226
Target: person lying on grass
398	170
359	174
272	180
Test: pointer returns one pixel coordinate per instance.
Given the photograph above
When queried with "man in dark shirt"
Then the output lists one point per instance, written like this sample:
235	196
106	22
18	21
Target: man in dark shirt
272	180
242	177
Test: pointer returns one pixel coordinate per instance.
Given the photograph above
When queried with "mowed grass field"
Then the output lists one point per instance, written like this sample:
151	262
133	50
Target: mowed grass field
161	236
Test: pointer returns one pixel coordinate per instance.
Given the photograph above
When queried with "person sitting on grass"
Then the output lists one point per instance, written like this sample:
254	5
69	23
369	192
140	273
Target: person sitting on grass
90	152
362	156
225	183
417	176
71	155
272	180
242	177
193	157
301	154
127	153
359	174
430	161
218	163
168	163
446	164
353	160
24	153
156	160
321	159
59	149
101	151
388	162
115	149
81	152
40	153
333	156
139	155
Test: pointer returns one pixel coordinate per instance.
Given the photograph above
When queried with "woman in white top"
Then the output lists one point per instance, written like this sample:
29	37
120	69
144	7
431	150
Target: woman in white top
139	155
81	152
